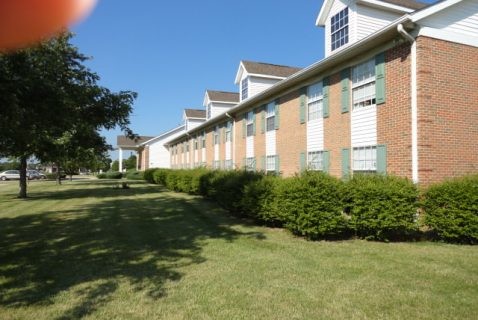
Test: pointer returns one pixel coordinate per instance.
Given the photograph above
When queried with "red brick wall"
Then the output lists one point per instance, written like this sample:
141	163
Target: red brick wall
336	127
240	142
394	116
447	109
291	137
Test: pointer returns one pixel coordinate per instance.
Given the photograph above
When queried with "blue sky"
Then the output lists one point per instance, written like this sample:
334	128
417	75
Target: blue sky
170	52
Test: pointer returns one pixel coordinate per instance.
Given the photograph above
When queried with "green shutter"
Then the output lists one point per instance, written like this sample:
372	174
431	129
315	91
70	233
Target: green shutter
380	78
303	161
277	115
382	159
244	163
254	165
303	105
244	119
212	136
277	164
345	163
263	118
326	161
263	163
253	122
325	98
345	85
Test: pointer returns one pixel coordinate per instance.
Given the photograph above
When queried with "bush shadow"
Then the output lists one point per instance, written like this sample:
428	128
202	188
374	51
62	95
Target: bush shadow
146	242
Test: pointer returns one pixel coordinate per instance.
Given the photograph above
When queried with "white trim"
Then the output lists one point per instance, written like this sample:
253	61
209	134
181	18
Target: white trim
324	12
239	73
267	76
428	11
448	36
414	107
381	4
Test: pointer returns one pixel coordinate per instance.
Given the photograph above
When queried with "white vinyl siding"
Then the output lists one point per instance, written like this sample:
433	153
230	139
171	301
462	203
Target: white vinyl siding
364	110
370	20
217	108
460	19
270	129
257	84
315	120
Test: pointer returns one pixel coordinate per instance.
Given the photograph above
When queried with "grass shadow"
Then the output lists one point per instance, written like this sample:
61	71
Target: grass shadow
137	235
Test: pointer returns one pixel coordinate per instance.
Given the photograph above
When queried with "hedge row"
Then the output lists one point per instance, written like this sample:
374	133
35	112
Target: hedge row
318	206
110	175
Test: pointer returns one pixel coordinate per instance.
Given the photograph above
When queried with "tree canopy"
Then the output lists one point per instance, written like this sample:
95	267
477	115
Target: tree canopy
52	107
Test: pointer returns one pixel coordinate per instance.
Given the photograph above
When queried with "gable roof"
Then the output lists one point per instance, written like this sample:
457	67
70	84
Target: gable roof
276	70
125	142
404	6
223	96
195	113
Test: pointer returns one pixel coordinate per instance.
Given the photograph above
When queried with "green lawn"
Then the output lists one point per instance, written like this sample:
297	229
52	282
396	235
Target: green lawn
86	250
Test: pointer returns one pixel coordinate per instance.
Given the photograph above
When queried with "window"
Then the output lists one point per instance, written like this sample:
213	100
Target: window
228	165
203	140
187	147
270	163
251	164
196	145
216	164
250	124
365	159
270	116
229	131
216	135
314	101
339	29
244	88
314	160
363	85
209	111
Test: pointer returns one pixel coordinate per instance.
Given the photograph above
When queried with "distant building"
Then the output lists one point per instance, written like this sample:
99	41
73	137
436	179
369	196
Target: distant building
396	94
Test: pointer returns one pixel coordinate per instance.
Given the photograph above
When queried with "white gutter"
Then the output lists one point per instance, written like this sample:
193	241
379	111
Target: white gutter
414	103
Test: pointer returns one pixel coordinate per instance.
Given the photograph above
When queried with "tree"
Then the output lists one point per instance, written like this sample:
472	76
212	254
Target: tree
115	166
130	163
49	99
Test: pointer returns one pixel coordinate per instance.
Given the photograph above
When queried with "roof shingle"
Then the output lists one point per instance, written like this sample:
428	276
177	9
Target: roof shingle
269	69
123	141
223	96
195	113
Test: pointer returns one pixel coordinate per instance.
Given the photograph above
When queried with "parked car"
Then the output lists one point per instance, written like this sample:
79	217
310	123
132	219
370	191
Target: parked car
10	175
34	174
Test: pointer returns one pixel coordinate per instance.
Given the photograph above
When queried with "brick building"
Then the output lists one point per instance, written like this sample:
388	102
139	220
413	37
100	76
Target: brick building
396	93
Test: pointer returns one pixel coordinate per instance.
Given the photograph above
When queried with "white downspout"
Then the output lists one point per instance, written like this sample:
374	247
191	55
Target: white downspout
414	103
120	160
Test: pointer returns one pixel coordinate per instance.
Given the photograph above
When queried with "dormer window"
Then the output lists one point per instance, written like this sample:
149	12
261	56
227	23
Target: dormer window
339	29
244	88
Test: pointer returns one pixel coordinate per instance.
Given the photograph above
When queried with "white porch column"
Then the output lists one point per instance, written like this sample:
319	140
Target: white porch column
120	159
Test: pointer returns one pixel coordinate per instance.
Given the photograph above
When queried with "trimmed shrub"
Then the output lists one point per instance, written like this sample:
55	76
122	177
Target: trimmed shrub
99	176
451	209
259	200
382	207
135	175
160	175
148	174
311	205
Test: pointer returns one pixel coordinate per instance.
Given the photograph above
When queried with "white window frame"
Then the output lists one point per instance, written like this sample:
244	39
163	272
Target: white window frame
250	164
228	164
228	131
271	163
244	88
315	160
270	116
364	159
339	29
216	135
315	101
250	124
363	85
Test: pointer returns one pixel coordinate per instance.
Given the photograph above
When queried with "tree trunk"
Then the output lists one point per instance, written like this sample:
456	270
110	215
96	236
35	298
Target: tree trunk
23	178
58	174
